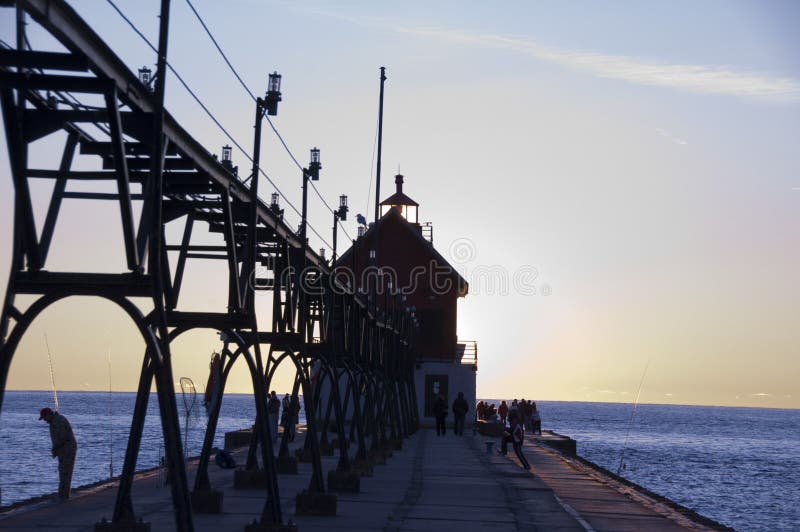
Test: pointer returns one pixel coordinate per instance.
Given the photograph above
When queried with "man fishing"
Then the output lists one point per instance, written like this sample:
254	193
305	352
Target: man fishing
64	447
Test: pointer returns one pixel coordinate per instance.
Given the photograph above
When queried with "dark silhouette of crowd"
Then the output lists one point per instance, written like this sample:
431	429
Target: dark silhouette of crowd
528	413
517	418
485	410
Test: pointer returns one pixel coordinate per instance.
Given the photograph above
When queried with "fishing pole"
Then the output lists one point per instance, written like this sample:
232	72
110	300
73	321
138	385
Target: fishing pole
52	377
110	422
630	421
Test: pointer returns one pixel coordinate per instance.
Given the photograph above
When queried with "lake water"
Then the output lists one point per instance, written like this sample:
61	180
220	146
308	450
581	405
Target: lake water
739	466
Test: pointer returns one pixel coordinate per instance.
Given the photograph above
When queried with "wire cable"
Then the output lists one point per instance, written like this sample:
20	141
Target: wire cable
253	97
372	165
214	119
219	49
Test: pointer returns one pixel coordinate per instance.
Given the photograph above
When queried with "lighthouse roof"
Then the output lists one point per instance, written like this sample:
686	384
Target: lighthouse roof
399	197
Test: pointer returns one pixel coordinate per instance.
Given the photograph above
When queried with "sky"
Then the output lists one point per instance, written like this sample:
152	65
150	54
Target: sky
619	182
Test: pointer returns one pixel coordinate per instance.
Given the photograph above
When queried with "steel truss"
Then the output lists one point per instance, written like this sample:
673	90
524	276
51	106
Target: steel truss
363	355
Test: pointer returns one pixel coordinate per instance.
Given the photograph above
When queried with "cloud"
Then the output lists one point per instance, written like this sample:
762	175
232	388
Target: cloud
667	135
704	79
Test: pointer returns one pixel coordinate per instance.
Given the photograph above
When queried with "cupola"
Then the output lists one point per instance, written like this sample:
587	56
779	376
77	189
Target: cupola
407	207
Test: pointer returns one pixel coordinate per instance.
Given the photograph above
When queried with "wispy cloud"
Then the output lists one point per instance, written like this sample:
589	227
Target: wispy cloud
703	79
669	136
706	79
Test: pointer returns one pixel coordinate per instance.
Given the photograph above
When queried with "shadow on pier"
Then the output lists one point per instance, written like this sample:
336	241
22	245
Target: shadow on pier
433	483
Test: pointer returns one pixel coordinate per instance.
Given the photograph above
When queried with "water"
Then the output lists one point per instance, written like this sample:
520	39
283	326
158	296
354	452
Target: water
28	470
739	466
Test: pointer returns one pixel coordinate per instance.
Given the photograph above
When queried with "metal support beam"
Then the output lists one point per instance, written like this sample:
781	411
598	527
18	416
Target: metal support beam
57	196
18	158
42	60
123	184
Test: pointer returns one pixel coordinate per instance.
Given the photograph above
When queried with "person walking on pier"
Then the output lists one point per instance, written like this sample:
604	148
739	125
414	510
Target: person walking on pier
273	408
502	411
515	435
526	411
440	413
536	420
294	416
460	409
64	447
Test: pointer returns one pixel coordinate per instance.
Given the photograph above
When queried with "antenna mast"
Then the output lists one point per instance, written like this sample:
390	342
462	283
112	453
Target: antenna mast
380	144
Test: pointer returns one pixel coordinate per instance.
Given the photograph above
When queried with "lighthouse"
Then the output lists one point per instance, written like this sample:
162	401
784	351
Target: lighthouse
400	248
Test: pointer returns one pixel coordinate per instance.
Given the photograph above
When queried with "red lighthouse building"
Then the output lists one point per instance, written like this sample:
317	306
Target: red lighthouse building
402	250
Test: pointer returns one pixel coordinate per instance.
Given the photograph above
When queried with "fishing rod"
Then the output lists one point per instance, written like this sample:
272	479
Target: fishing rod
52	377
110	422
630	421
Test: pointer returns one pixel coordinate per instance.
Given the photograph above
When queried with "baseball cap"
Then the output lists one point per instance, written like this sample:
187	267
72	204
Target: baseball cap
44	412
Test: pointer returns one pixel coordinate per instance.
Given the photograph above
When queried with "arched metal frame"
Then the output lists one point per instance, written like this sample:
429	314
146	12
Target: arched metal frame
317	481
155	365
360	345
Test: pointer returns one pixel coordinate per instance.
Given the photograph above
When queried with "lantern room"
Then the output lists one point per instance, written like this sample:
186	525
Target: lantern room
408	208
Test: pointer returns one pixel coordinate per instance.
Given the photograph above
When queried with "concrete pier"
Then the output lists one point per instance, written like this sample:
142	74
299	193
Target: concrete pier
435	483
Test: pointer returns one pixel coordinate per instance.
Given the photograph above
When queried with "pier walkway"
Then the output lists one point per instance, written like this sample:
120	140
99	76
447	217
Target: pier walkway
433	484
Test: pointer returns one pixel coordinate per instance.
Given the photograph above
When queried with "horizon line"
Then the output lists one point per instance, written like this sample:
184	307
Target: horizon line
477	399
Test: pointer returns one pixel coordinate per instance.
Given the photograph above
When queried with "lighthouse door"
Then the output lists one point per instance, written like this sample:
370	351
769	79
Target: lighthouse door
435	385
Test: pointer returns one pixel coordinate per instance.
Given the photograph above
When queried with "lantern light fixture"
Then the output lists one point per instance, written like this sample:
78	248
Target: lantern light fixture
314	164
341	212
273	94
145	76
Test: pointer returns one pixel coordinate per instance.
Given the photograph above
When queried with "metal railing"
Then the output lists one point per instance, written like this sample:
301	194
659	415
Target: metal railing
427	231
467	352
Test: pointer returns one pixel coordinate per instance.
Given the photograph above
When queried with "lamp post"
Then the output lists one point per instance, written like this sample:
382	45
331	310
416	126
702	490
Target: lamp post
339	214
268	105
312	173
